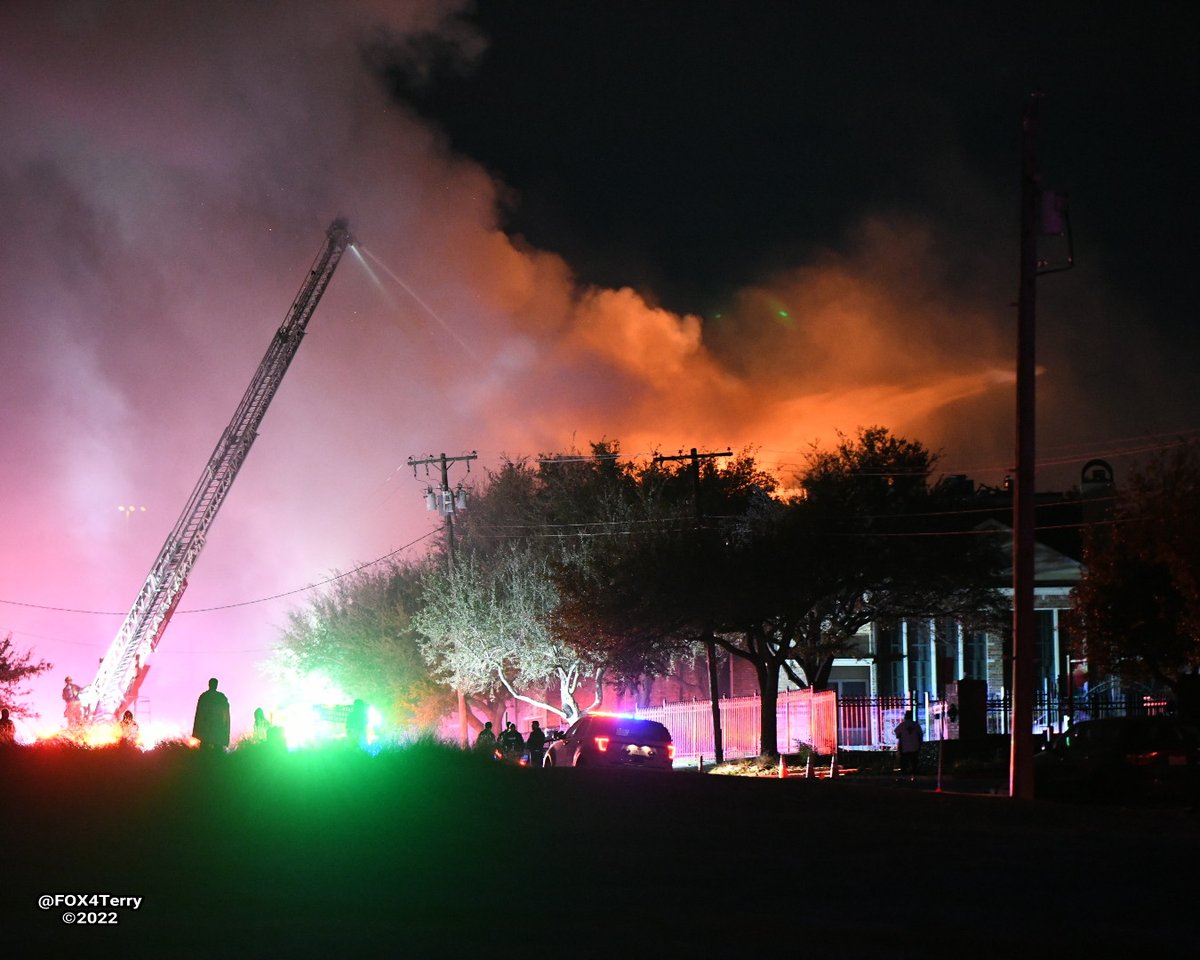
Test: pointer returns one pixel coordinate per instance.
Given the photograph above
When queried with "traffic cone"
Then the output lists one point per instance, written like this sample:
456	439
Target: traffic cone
782	766
833	766
808	773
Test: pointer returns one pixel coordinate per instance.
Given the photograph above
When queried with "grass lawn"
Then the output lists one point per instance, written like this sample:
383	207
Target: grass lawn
430	852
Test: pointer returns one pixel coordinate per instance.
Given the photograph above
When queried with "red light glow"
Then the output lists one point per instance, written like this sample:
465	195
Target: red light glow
602	744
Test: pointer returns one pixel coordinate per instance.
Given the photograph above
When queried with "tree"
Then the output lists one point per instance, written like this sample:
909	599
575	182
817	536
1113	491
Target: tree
1136	612
887	545
674	575
624	515
15	669
498	617
785	584
486	621
359	633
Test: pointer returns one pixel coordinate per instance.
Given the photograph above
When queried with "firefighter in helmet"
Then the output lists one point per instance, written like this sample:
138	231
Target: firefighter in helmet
74	709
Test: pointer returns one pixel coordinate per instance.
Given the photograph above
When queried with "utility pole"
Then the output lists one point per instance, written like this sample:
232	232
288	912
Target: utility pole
1042	212
1020	769
446	502
709	645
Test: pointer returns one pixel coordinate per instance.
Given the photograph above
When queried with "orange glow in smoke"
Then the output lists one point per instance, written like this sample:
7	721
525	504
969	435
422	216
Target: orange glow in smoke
871	337
107	734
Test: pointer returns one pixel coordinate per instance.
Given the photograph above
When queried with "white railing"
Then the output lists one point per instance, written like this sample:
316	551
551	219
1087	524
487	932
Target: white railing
801	718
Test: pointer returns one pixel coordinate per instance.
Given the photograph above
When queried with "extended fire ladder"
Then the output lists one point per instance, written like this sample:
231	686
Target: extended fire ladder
124	667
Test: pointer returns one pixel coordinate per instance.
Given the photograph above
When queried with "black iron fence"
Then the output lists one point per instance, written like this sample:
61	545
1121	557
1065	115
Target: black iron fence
868	723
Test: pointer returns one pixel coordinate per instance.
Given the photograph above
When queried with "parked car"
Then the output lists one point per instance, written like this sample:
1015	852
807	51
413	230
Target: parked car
1121	758
605	740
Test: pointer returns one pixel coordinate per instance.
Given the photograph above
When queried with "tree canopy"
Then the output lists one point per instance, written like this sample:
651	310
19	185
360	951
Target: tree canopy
785	584
16	667
572	568
486	624
359	634
493	618
1136	612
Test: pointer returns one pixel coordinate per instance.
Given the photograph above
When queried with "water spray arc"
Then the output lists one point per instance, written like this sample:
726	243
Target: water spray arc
359	252
125	665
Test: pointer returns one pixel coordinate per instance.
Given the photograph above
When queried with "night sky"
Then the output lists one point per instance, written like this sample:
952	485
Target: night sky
722	225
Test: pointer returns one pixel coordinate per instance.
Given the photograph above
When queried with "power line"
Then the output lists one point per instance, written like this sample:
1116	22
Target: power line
242	603
1105	448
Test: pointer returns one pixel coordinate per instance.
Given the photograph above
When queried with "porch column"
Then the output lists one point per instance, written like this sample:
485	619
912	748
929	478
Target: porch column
1056	647
873	691
933	658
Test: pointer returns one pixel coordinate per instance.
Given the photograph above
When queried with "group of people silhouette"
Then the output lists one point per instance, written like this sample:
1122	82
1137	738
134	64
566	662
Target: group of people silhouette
511	745
210	726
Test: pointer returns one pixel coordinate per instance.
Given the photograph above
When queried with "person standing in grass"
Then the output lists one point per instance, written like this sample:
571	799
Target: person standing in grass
486	741
74	709
908	742
129	729
356	725
262	726
511	742
211	726
536	742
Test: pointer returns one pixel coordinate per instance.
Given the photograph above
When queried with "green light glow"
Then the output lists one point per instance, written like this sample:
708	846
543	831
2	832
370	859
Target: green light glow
781	313
296	712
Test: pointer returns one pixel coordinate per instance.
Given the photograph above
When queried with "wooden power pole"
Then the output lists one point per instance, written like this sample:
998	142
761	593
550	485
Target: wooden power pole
1043	213
446	502
709	645
1024	642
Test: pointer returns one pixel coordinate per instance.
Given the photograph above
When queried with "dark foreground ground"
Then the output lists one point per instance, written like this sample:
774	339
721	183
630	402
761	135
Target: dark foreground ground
431	853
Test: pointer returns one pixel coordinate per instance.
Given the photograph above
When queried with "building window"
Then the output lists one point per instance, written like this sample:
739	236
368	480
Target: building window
920	674
889	658
974	655
1047	649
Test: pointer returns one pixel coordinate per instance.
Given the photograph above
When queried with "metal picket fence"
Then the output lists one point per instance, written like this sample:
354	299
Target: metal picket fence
802	717
828	724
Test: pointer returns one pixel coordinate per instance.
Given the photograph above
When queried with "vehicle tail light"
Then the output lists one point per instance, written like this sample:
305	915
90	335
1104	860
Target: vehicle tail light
602	744
670	751
1142	759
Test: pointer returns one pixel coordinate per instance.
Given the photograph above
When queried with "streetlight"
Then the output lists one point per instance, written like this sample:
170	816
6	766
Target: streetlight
130	510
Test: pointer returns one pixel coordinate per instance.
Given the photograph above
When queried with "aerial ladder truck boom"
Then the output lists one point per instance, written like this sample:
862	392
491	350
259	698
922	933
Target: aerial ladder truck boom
124	666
